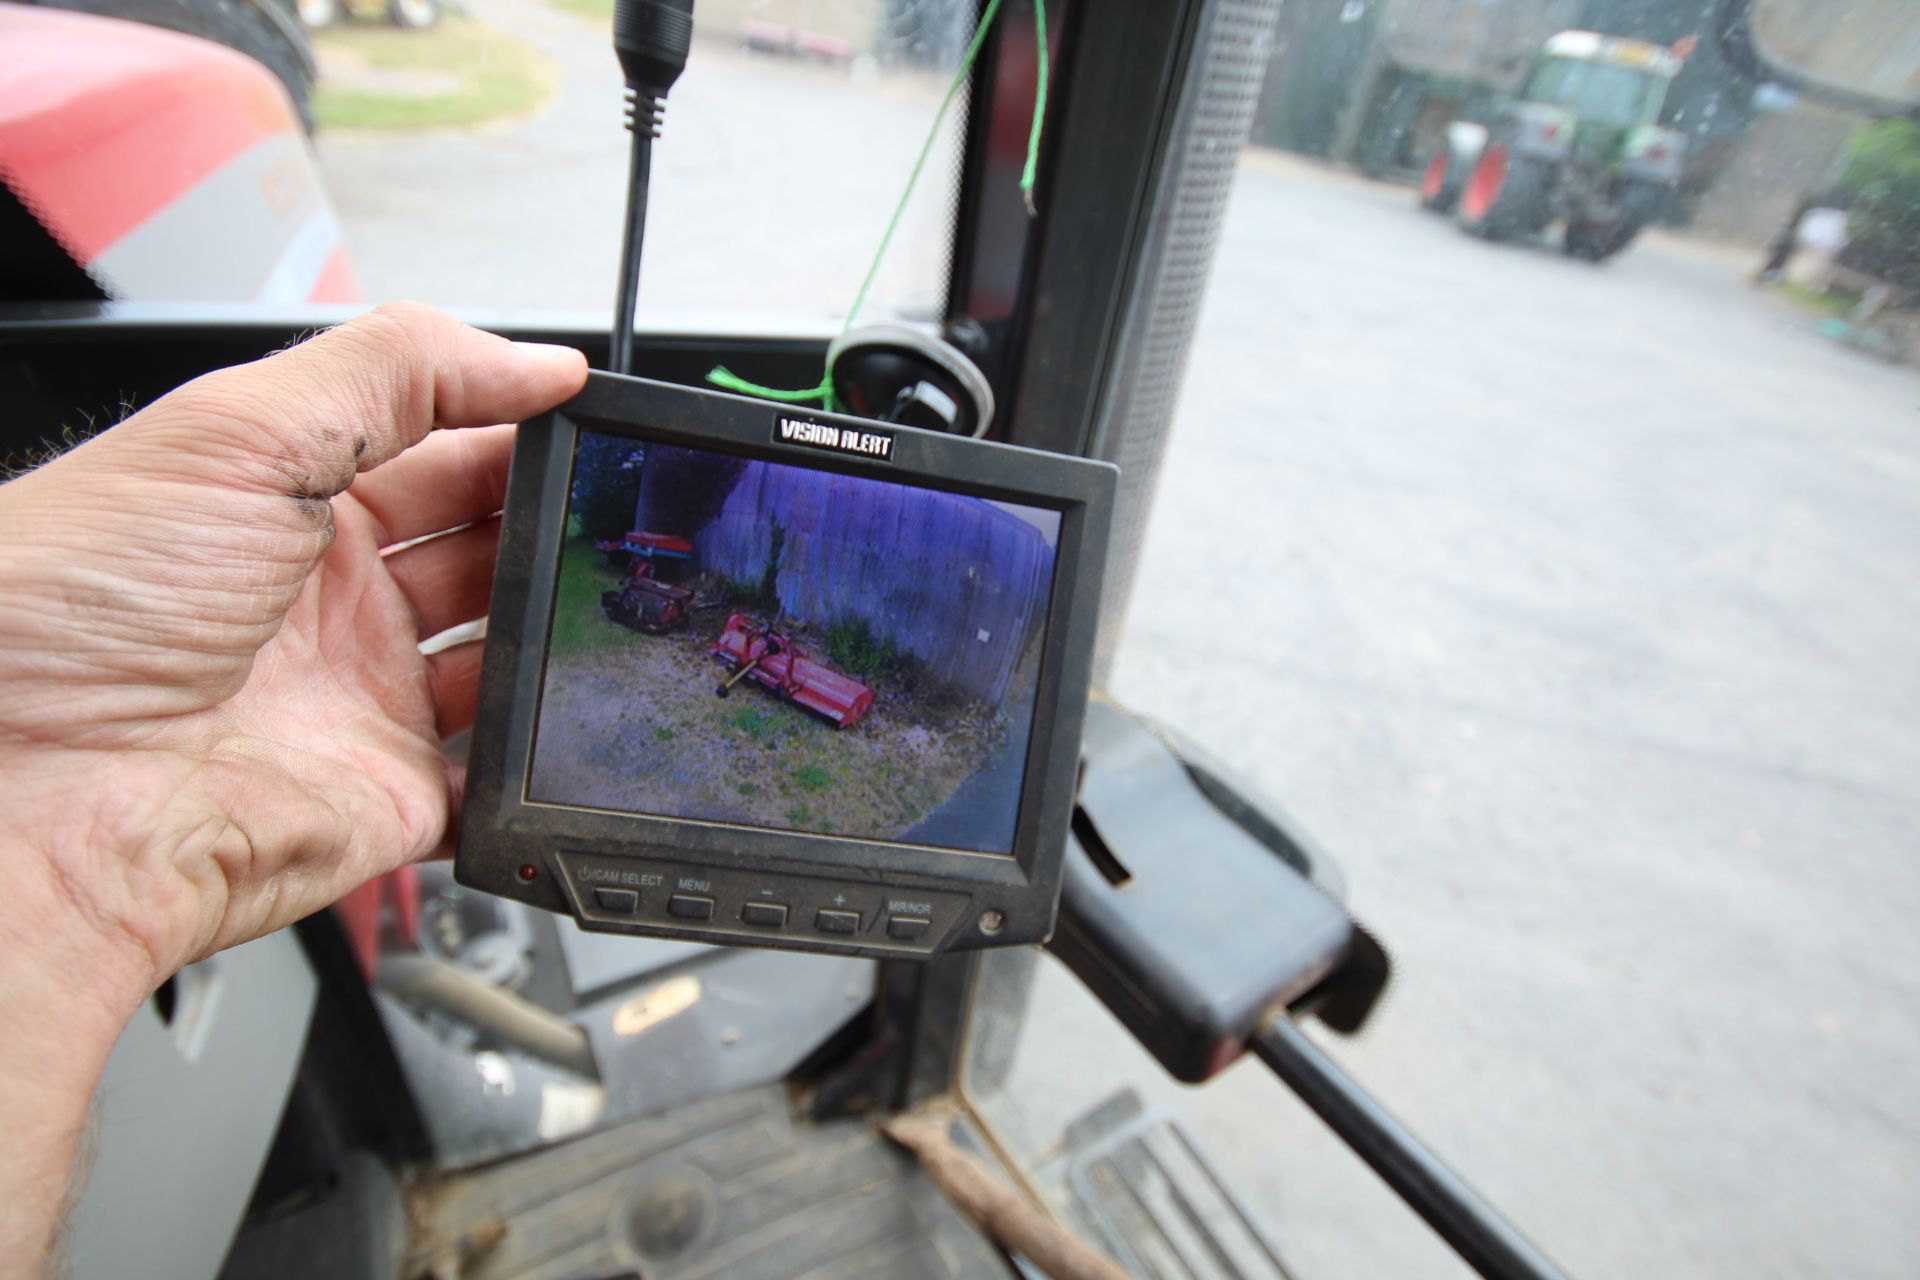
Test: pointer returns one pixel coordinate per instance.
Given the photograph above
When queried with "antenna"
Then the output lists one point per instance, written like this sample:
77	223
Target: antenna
651	38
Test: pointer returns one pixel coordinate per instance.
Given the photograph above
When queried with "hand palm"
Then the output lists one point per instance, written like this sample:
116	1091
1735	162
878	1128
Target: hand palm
342	705
234	656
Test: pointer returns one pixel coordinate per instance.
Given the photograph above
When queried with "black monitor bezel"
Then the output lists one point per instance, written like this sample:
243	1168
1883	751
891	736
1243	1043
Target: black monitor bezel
503	832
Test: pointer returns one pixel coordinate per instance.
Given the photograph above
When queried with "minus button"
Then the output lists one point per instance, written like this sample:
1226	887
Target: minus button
767	915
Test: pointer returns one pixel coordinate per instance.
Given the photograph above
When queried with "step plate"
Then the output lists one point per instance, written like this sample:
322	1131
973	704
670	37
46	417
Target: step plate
727	1187
1162	1208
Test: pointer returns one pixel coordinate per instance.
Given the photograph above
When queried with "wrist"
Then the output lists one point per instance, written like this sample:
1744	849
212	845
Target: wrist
66	994
68	909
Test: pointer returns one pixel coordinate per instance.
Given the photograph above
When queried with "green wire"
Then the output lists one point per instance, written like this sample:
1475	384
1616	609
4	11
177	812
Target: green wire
727	380
920	162
722	377
1039	106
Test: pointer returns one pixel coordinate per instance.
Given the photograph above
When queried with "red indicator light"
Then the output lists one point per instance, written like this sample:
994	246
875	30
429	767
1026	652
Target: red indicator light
528	871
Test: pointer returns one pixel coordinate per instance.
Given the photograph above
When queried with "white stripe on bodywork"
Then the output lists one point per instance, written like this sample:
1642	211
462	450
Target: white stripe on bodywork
244	232
293	277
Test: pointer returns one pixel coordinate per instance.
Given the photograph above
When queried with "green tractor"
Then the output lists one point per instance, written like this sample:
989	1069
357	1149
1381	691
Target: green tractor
1580	143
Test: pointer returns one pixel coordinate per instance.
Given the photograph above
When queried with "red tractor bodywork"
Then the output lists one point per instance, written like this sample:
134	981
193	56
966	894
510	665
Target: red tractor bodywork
770	660
169	167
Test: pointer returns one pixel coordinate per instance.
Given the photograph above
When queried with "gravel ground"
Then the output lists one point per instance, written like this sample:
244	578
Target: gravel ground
630	722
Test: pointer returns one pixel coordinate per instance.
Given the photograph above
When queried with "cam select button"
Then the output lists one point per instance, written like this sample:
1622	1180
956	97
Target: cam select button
619	901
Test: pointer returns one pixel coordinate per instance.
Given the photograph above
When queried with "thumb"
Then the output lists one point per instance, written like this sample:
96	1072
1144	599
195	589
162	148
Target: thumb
302	423
165	552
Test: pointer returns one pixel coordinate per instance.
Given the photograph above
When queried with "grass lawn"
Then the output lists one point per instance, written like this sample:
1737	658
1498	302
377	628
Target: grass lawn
578	622
1823	302
592	10
458	72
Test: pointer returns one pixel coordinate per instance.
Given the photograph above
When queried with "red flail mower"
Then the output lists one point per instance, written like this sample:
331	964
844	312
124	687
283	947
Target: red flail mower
769	658
646	603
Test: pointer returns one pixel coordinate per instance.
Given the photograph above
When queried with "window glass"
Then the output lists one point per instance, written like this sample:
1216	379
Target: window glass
472	154
1596	92
1542	534
786	143
1548	75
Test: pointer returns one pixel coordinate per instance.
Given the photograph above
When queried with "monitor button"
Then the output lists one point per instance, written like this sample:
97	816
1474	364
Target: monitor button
768	915
907	928
686	906
620	901
837	922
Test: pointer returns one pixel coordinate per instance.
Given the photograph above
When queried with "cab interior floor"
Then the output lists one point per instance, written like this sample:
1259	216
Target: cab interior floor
730	1186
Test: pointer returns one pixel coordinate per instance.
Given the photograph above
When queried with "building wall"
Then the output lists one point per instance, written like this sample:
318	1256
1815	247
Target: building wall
1471	39
1783	157
958	583
861	24
1872	46
1318	60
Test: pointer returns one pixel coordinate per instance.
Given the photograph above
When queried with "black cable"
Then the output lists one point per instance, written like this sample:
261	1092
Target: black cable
651	39
643	119
1485	1241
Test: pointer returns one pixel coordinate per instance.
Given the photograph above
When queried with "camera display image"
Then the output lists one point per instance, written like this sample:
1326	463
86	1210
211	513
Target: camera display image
737	640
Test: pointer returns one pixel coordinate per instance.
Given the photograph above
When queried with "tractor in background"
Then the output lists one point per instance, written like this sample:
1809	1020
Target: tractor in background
1580	143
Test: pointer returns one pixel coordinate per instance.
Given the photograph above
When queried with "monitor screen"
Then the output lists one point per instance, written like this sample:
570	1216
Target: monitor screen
751	642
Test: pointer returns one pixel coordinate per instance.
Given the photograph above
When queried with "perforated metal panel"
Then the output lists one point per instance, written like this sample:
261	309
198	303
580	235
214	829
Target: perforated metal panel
1202	153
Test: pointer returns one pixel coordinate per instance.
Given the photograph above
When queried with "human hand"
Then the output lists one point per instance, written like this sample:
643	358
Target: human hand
214	715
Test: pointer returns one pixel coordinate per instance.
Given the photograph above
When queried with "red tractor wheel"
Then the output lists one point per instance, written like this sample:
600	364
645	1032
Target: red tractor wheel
1439	184
1505	195
1484	185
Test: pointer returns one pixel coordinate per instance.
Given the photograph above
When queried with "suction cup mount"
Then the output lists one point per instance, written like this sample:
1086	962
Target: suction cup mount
895	373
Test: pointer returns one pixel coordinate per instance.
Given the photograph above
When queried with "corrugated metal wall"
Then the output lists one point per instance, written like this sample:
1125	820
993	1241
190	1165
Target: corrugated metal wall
956	582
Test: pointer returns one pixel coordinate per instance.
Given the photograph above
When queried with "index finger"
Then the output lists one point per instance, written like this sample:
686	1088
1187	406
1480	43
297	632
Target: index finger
449	479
